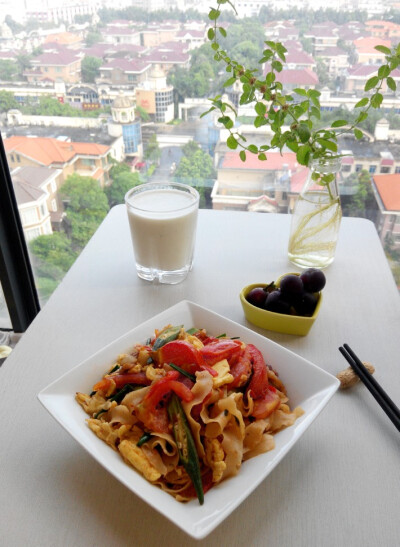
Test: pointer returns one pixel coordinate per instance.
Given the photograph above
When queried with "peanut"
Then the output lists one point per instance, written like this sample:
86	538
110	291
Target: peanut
348	378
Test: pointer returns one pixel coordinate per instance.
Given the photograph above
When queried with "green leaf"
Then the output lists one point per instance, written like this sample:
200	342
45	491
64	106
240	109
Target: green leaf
361	117
259	121
231	142
300	91
210	33
270	78
339	123
383	71
315	112
253	148
383	49
262	156
260	108
292	145
364	101
371	83
303	132
391	83
229	82
215	46
303	154
358	134
277	65
329	145
207	112
226	121
376	100
222	31
242	155
214	14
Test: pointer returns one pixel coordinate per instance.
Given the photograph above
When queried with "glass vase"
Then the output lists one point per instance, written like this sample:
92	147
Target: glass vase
316	217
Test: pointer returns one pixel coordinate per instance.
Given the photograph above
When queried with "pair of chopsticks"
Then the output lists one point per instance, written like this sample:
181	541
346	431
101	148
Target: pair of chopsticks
372	385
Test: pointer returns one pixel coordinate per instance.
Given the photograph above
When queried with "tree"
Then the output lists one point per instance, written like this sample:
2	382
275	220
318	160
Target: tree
153	152
123	182
51	257
8	70
93	38
7	101
86	207
142	114
362	203
196	169
90	69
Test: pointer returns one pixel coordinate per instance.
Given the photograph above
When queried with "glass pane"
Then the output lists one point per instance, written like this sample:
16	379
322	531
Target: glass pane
115	100
5	322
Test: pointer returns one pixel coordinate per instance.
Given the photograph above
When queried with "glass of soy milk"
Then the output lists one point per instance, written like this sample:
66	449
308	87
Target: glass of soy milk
163	220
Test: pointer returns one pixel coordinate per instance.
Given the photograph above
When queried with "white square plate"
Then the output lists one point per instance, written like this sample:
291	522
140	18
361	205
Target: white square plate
307	385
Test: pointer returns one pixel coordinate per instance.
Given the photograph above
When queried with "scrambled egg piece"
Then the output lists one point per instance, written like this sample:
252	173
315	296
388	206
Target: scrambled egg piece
224	375
135	456
106	432
214	458
91	405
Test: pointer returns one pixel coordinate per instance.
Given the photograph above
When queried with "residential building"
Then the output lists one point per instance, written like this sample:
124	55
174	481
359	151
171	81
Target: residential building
383	29
366	52
191	38
336	61
84	158
124	72
323	36
36	191
257	185
387	193
56	64
358	75
64	11
168	55
156	34
121	35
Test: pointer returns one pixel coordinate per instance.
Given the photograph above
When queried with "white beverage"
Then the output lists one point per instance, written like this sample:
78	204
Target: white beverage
163	223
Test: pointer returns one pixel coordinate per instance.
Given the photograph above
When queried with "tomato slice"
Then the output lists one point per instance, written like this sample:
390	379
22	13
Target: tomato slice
151	411
185	356
136	378
220	349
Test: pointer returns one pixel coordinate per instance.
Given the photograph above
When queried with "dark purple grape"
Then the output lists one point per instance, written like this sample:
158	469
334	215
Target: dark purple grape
257	297
307	304
313	280
291	288
276	303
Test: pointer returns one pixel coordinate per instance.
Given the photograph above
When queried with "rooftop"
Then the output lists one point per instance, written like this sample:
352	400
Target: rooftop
388	187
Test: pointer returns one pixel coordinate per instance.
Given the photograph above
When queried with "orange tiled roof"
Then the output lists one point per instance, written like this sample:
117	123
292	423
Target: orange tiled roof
367	45
52	151
388	187
66	38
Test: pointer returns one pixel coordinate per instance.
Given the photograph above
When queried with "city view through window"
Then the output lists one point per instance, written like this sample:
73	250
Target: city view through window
98	96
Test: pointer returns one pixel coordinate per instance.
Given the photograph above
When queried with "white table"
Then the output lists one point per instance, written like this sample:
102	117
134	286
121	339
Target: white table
340	484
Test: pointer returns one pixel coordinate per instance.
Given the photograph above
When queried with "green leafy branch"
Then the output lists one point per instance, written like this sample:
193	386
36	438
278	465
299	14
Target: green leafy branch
291	117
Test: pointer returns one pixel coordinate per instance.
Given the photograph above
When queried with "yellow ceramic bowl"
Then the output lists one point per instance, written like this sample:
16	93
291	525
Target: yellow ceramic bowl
277	322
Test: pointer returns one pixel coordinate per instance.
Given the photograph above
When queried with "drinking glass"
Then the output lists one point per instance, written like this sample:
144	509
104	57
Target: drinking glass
163	220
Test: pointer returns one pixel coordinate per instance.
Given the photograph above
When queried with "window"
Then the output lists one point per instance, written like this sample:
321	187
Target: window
29	216
130	141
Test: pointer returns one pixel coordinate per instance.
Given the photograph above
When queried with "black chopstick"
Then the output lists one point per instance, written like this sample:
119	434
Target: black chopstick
383	399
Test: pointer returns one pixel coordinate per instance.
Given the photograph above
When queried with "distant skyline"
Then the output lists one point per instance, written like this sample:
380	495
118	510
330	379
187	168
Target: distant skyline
17	8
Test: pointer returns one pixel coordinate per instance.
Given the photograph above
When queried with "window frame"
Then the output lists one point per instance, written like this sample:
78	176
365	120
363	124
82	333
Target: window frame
16	275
